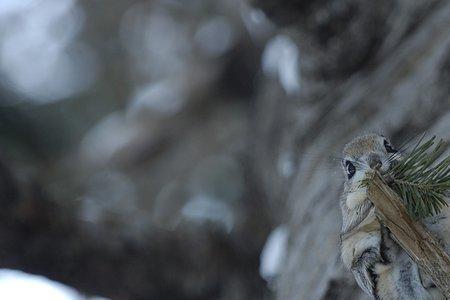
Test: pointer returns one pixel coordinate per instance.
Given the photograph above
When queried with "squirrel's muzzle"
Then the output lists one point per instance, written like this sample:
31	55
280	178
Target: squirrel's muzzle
374	161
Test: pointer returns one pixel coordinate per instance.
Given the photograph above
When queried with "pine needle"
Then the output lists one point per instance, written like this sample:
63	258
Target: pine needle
422	179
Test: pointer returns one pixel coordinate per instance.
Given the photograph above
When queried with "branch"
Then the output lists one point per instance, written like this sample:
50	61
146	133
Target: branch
411	235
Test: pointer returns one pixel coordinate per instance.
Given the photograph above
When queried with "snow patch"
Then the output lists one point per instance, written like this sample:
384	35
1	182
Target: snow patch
256	22
274	253
285	165
108	137
17	285
38	56
202	208
215	37
166	97
281	60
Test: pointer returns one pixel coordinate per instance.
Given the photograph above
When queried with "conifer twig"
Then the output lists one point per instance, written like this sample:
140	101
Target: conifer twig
410	234
422	179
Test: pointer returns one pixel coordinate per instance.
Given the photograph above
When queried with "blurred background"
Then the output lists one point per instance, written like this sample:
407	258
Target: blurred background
186	149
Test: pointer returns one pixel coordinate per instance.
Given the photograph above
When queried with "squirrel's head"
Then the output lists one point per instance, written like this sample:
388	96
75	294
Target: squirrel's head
371	151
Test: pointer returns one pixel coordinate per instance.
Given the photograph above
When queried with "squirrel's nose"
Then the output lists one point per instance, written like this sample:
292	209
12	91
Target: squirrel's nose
374	161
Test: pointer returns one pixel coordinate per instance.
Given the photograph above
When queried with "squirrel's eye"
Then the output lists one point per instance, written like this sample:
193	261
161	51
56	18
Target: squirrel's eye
350	168
388	147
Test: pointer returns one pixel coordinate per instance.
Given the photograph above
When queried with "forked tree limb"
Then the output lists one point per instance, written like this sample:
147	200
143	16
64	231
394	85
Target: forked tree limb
411	235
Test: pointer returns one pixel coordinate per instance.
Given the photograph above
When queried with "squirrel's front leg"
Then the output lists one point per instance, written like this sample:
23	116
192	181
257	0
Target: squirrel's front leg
360	254
367	254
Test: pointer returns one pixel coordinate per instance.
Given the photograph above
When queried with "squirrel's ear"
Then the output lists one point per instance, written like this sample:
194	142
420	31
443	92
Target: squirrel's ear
385	138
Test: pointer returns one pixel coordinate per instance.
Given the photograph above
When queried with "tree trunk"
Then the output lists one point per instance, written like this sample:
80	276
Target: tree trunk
365	67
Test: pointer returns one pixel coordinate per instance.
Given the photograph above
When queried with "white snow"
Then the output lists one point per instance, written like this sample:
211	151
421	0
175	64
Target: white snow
285	165
17	285
165	96
110	135
215	37
202	208
273	254
256	22
38	56
281	60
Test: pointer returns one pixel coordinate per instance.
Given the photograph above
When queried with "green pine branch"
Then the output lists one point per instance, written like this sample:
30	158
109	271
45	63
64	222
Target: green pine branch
422	179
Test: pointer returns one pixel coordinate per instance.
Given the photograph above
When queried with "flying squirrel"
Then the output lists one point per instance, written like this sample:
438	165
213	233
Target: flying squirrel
380	266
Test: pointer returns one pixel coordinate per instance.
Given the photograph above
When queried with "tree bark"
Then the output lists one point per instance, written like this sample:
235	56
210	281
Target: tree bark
380	70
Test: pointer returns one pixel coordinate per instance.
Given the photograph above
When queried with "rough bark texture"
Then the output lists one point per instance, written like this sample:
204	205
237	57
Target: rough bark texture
365	67
103	194
411	235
